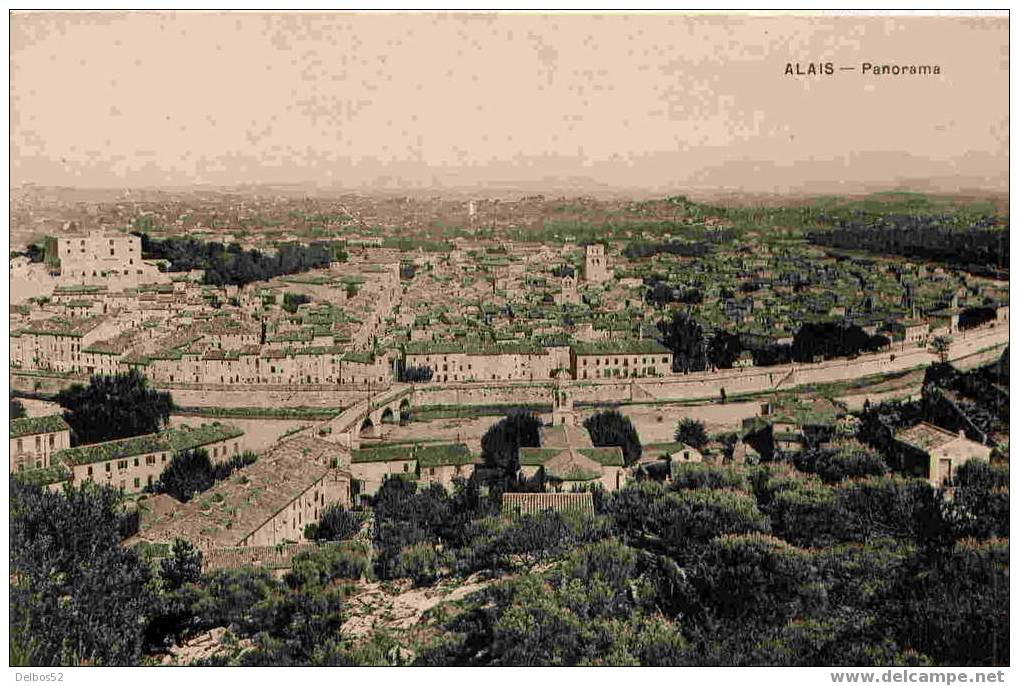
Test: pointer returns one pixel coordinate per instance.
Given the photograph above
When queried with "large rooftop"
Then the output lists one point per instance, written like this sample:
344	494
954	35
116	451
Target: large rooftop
28	426
171	440
231	510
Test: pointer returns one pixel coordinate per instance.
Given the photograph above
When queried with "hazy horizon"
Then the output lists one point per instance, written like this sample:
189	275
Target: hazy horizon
517	103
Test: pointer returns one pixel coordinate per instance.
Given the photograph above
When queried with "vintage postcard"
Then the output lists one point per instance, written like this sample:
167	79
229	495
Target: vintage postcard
494	338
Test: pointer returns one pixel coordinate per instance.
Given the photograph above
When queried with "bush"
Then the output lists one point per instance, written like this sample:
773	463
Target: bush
757	578
335	524
693	476
808	514
182	566
687	517
422	563
326	564
851	460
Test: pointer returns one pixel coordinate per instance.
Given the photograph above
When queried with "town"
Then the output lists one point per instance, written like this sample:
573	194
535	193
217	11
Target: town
509	338
516	358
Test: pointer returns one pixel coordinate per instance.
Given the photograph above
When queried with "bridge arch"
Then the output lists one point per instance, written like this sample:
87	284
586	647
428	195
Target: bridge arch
367	427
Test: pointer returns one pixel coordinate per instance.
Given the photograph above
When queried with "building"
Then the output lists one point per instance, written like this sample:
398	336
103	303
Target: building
480	361
619	358
34	440
567	459
658	460
109	259
595	266
933	453
134	463
269	502
440	463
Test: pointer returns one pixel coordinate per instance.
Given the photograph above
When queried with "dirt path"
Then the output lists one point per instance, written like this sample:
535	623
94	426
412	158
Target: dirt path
400	606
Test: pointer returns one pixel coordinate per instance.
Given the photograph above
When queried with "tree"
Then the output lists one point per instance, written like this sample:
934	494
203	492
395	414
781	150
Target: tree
691	432
114	406
501	444
685	338
182	566
335	524
189	473
610	428
77	596
940	346
17	409
850	460
724	349
417	374
980	506
292	301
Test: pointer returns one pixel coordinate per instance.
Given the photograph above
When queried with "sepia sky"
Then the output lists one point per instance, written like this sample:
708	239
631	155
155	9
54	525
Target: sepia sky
422	102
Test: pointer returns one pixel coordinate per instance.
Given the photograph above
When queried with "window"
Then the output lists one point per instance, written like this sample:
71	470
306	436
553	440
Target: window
406	467
38	443
108	465
52	440
21	448
121	464
136	462
150	459
137	483
90	470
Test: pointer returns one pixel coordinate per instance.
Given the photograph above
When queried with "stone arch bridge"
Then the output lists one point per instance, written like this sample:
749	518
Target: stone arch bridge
363	419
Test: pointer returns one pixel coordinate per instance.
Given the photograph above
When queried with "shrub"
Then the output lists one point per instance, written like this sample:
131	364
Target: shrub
692	476
326	564
335	524
422	563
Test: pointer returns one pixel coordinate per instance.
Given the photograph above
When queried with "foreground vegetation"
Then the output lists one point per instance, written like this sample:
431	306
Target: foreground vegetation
727	565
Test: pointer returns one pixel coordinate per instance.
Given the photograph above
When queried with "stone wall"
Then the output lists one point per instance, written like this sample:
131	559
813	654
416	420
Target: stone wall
980	345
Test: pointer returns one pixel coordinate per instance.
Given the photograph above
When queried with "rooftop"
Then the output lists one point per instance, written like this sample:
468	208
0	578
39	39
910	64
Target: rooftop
232	509
926	436
170	440
28	426
621	347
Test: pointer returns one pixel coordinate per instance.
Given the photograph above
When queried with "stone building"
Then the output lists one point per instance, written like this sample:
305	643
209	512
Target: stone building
595	265
567	458
266	503
105	258
620	358
933	453
133	463
439	463
34	440
455	361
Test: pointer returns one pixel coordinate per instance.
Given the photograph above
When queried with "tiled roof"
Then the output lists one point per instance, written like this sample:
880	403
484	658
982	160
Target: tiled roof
28	426
925	436
170	440
232	509
621	347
